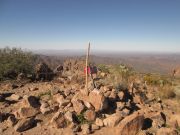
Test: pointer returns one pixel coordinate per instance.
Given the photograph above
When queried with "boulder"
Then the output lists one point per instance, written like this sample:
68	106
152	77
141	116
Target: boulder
69	116
113	96
11	121
14	97
105	88
44	105
120	105
98	100
166	131
131	124
99	122
94	127
88	105
78	106
90	115
31	101
24	124
45	108
125	112
60	99
112	120
159	119
58	120
26	112
137	99
85	129
175	121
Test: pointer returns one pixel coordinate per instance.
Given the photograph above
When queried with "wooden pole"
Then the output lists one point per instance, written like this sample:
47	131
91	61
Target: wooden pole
87	60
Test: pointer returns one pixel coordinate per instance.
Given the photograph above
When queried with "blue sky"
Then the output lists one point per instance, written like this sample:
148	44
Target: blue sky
124	25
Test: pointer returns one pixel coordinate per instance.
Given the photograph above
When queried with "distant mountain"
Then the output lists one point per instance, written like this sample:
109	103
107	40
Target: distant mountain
162	63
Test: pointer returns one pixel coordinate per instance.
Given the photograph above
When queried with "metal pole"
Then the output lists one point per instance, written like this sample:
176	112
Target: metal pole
87	59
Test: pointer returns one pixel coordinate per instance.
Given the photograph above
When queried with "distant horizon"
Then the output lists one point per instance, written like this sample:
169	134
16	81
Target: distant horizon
95	50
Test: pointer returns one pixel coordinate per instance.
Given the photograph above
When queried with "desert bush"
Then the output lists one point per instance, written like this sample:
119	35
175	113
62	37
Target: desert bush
155	79
122	72
177	91
166	92
15	61
103	68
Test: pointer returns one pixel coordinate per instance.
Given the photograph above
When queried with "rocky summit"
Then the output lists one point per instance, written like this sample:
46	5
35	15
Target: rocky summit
55	103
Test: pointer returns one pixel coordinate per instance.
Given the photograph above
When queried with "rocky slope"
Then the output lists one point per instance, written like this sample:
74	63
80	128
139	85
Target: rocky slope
61	106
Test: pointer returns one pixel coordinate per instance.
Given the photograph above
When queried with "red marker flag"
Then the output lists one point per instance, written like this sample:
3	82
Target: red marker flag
88	70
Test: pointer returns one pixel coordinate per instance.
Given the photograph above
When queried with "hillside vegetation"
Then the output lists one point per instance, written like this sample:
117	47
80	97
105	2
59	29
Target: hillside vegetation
15	61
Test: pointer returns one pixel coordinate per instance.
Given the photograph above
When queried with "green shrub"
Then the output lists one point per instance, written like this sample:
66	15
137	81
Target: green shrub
103	68
122	72
14	61
155	79
81	119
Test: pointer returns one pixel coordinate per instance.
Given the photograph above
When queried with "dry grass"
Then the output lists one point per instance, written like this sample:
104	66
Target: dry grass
166	92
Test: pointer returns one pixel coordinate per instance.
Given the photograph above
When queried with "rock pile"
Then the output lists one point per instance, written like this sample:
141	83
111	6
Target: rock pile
128	110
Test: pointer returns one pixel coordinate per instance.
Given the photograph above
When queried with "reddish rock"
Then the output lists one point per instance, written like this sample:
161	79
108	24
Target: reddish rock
112	120
26	112
58	120
131	124
78	106
98	100
175	121
166	131
90	115
60	99
99	122
159	119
